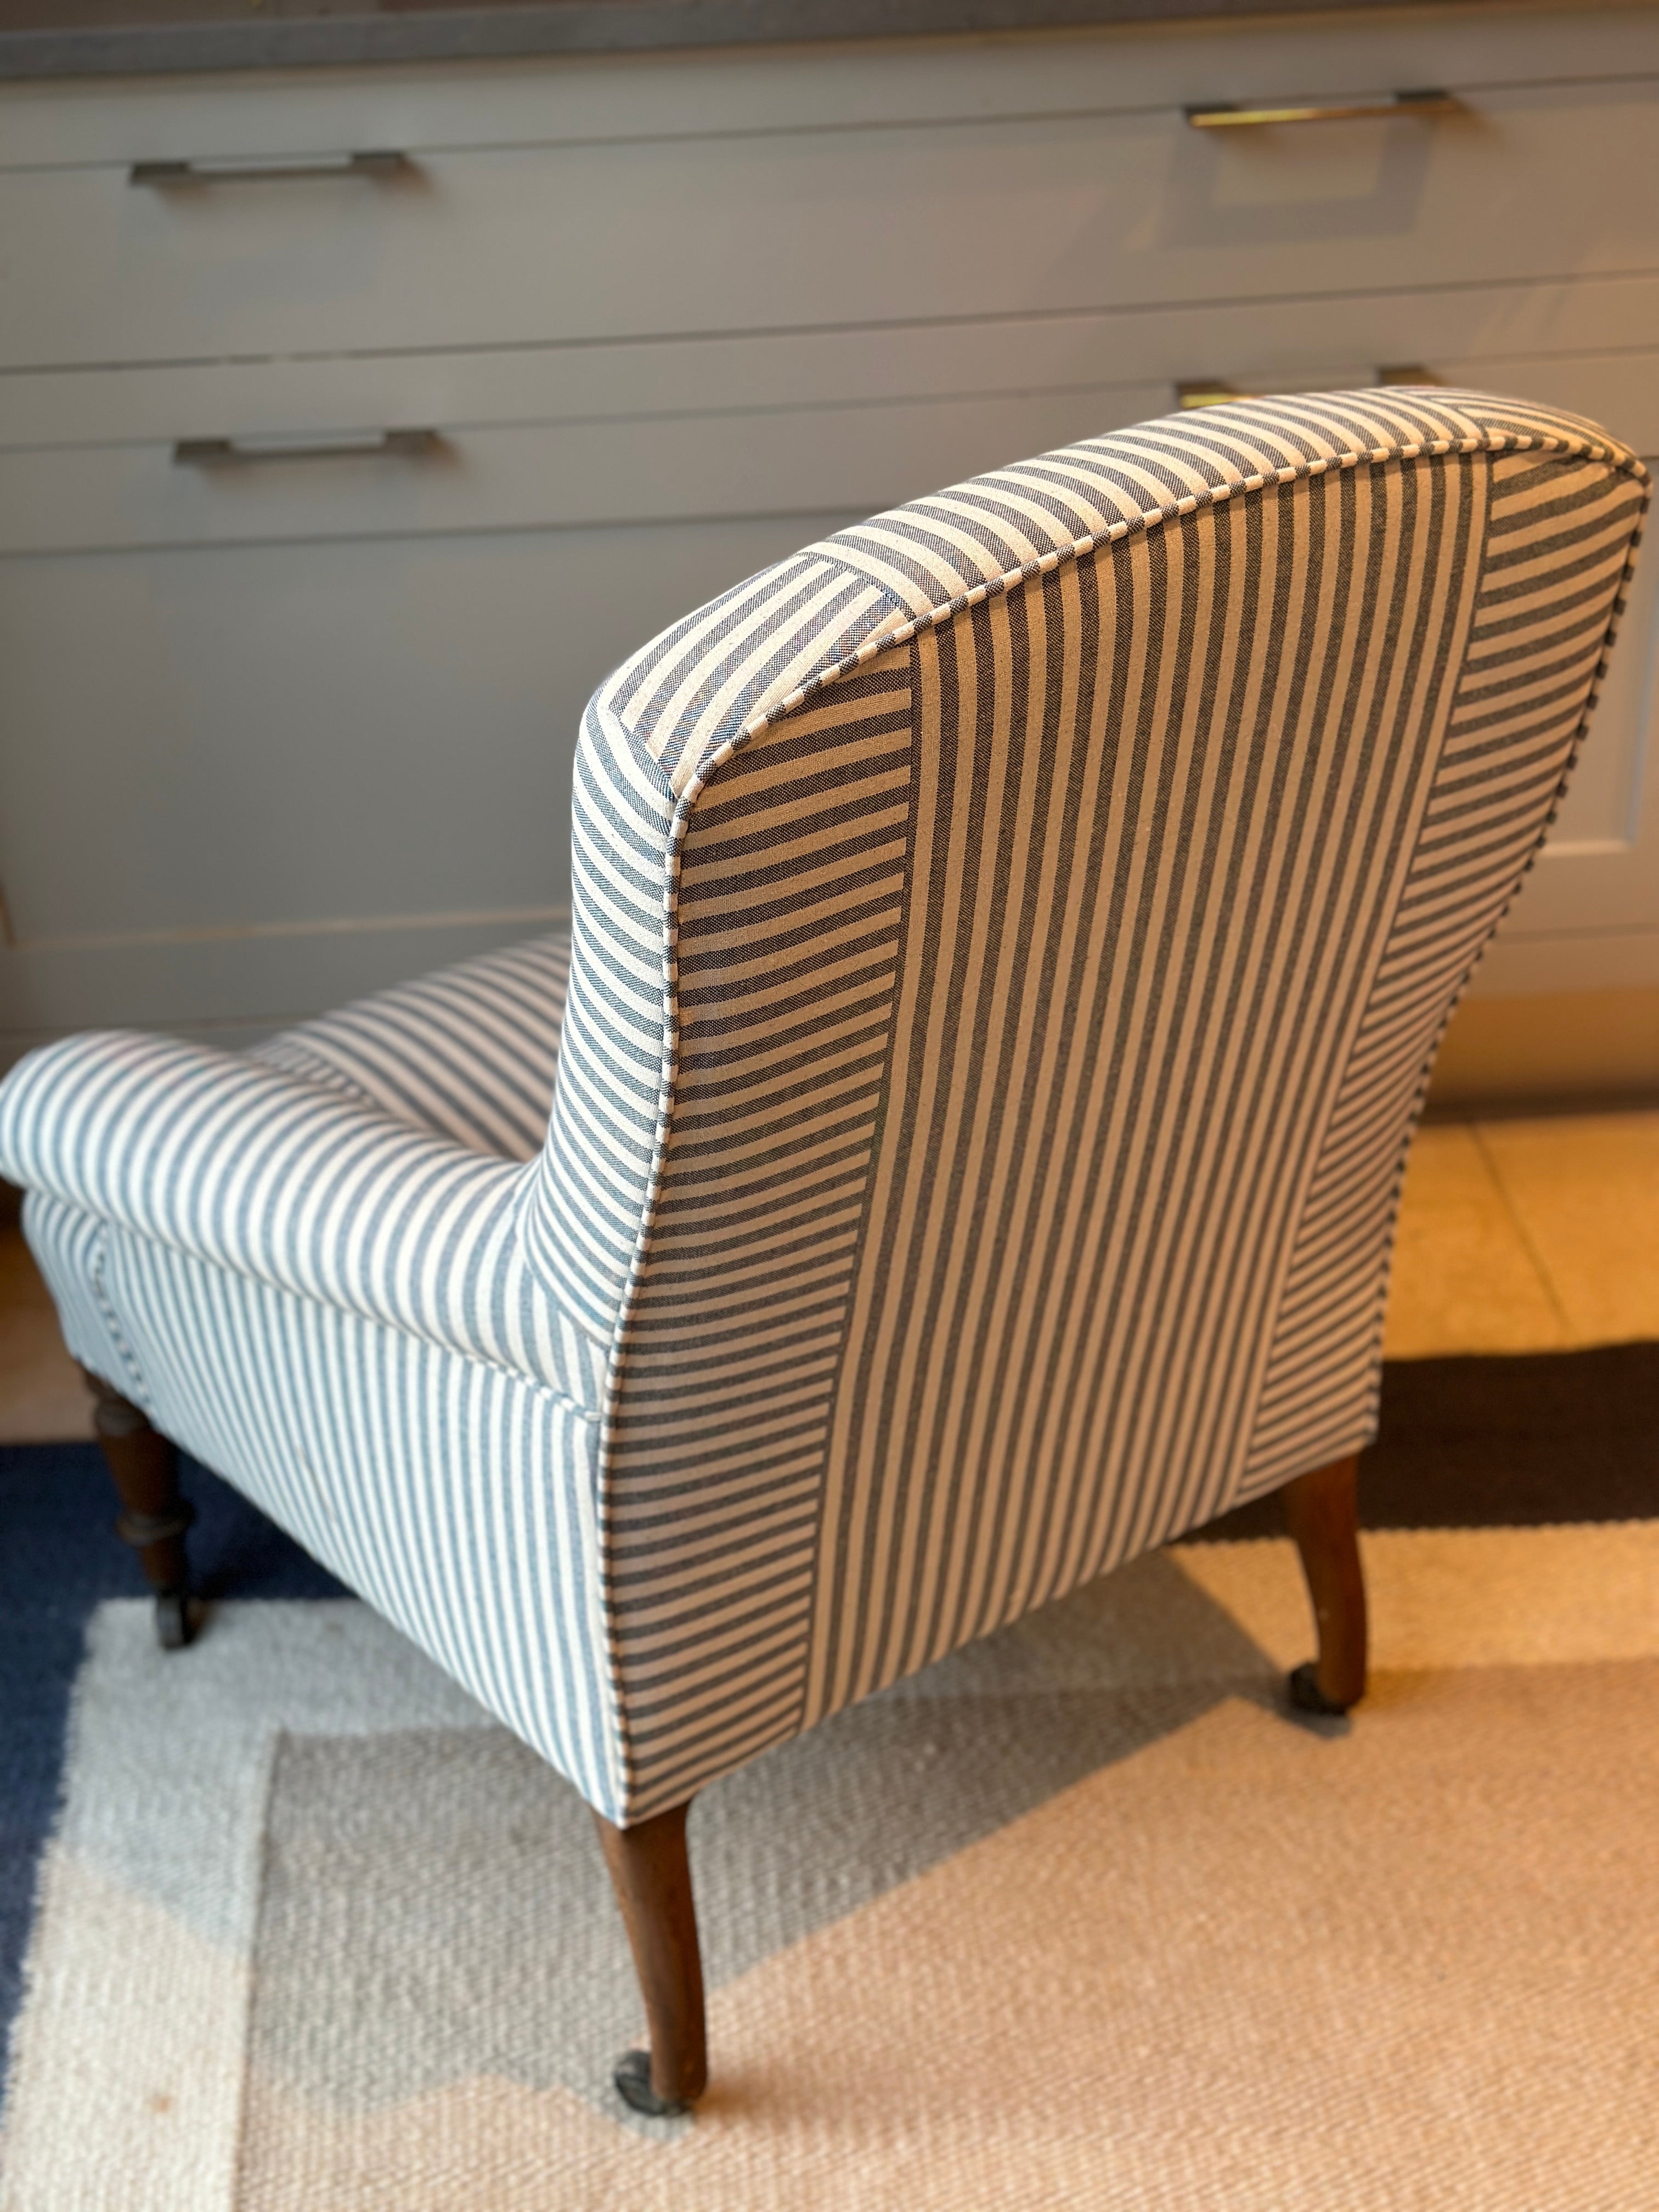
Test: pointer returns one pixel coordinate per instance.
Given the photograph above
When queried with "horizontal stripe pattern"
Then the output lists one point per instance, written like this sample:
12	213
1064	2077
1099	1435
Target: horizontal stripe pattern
791	882
248	1167
469	1053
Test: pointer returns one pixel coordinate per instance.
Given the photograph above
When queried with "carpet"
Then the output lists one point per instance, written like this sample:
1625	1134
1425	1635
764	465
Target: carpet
58	1560
1078	1917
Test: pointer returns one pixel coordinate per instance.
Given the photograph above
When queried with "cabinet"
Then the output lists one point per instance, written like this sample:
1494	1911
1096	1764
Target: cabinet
331	486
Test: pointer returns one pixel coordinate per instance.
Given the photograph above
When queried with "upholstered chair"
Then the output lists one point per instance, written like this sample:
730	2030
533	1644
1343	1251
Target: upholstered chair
956	1147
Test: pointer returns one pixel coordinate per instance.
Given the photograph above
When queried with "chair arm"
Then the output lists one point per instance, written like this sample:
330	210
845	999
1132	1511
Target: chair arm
260	1172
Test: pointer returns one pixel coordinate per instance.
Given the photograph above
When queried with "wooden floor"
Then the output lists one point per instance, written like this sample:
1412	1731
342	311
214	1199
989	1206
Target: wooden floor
1514	1235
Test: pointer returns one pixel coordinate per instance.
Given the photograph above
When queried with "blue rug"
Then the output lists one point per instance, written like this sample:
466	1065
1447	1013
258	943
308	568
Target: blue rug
59	1558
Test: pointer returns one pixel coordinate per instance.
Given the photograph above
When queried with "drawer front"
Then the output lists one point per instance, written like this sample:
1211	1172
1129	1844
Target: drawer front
660	470
591	97
652	471
383	663
1273	346
553	244
317	768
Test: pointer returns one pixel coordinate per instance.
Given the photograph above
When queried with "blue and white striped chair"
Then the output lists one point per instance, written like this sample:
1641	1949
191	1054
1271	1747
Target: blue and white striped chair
958	1147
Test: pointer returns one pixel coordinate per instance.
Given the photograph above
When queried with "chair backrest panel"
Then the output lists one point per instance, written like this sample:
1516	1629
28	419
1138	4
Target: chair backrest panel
1122	1027
1056	913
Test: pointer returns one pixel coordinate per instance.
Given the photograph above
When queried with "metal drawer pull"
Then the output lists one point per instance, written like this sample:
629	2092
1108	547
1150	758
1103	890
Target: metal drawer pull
1209	392
1227	116
233	170
1215	392
225	453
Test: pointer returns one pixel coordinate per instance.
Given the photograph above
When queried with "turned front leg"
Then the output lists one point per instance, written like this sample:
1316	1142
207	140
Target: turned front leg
144	1466
1323	1512
651	1876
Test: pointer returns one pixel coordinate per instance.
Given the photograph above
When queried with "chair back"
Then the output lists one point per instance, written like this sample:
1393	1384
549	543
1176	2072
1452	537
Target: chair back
1010	942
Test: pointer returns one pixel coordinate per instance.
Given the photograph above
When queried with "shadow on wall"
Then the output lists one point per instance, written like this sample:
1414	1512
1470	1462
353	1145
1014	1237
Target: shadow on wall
1566	1051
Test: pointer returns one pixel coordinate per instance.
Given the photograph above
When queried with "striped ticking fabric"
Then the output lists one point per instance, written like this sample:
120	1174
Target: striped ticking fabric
1009	942
469	1054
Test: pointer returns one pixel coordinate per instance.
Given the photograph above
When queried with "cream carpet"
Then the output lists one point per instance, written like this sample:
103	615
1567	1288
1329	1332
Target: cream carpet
1078	1918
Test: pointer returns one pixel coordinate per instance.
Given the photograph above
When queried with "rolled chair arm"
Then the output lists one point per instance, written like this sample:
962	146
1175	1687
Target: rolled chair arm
268	1175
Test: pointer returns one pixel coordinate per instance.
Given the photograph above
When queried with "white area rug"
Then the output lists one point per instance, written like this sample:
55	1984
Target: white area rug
1078	1918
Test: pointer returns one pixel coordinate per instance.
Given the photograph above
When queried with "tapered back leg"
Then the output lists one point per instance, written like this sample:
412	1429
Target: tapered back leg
651	1876
1323	1509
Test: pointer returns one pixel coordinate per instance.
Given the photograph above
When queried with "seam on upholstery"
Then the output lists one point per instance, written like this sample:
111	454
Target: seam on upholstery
117	1335
320	1075
1152	518
585	1328
328	1305
1242	1494
667	1082
617	1748
810	1641
1413	1119
1492	443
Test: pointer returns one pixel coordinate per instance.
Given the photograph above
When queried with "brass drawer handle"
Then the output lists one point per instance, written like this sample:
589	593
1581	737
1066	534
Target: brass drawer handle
1215	391
166	176
1227	115
228	452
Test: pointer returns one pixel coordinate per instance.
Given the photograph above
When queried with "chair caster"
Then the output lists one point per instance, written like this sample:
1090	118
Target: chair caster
1302	1685
172	1620
633	2081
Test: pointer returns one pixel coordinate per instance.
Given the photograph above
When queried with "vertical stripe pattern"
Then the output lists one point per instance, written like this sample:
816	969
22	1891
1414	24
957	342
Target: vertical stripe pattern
1559	538
1185	713
458	1499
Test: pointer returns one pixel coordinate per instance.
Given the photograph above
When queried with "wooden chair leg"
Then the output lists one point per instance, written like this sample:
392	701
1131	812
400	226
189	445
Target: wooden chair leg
1323	1512
154	1516
651	1877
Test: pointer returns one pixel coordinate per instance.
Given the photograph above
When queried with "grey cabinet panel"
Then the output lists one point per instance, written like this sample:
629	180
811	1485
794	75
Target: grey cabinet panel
1326	340
861	455
590	99
283	732
1018	215
1587	915
255	780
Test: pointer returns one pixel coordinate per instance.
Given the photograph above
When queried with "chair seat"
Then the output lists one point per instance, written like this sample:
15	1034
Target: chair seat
374	1161
467	1053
